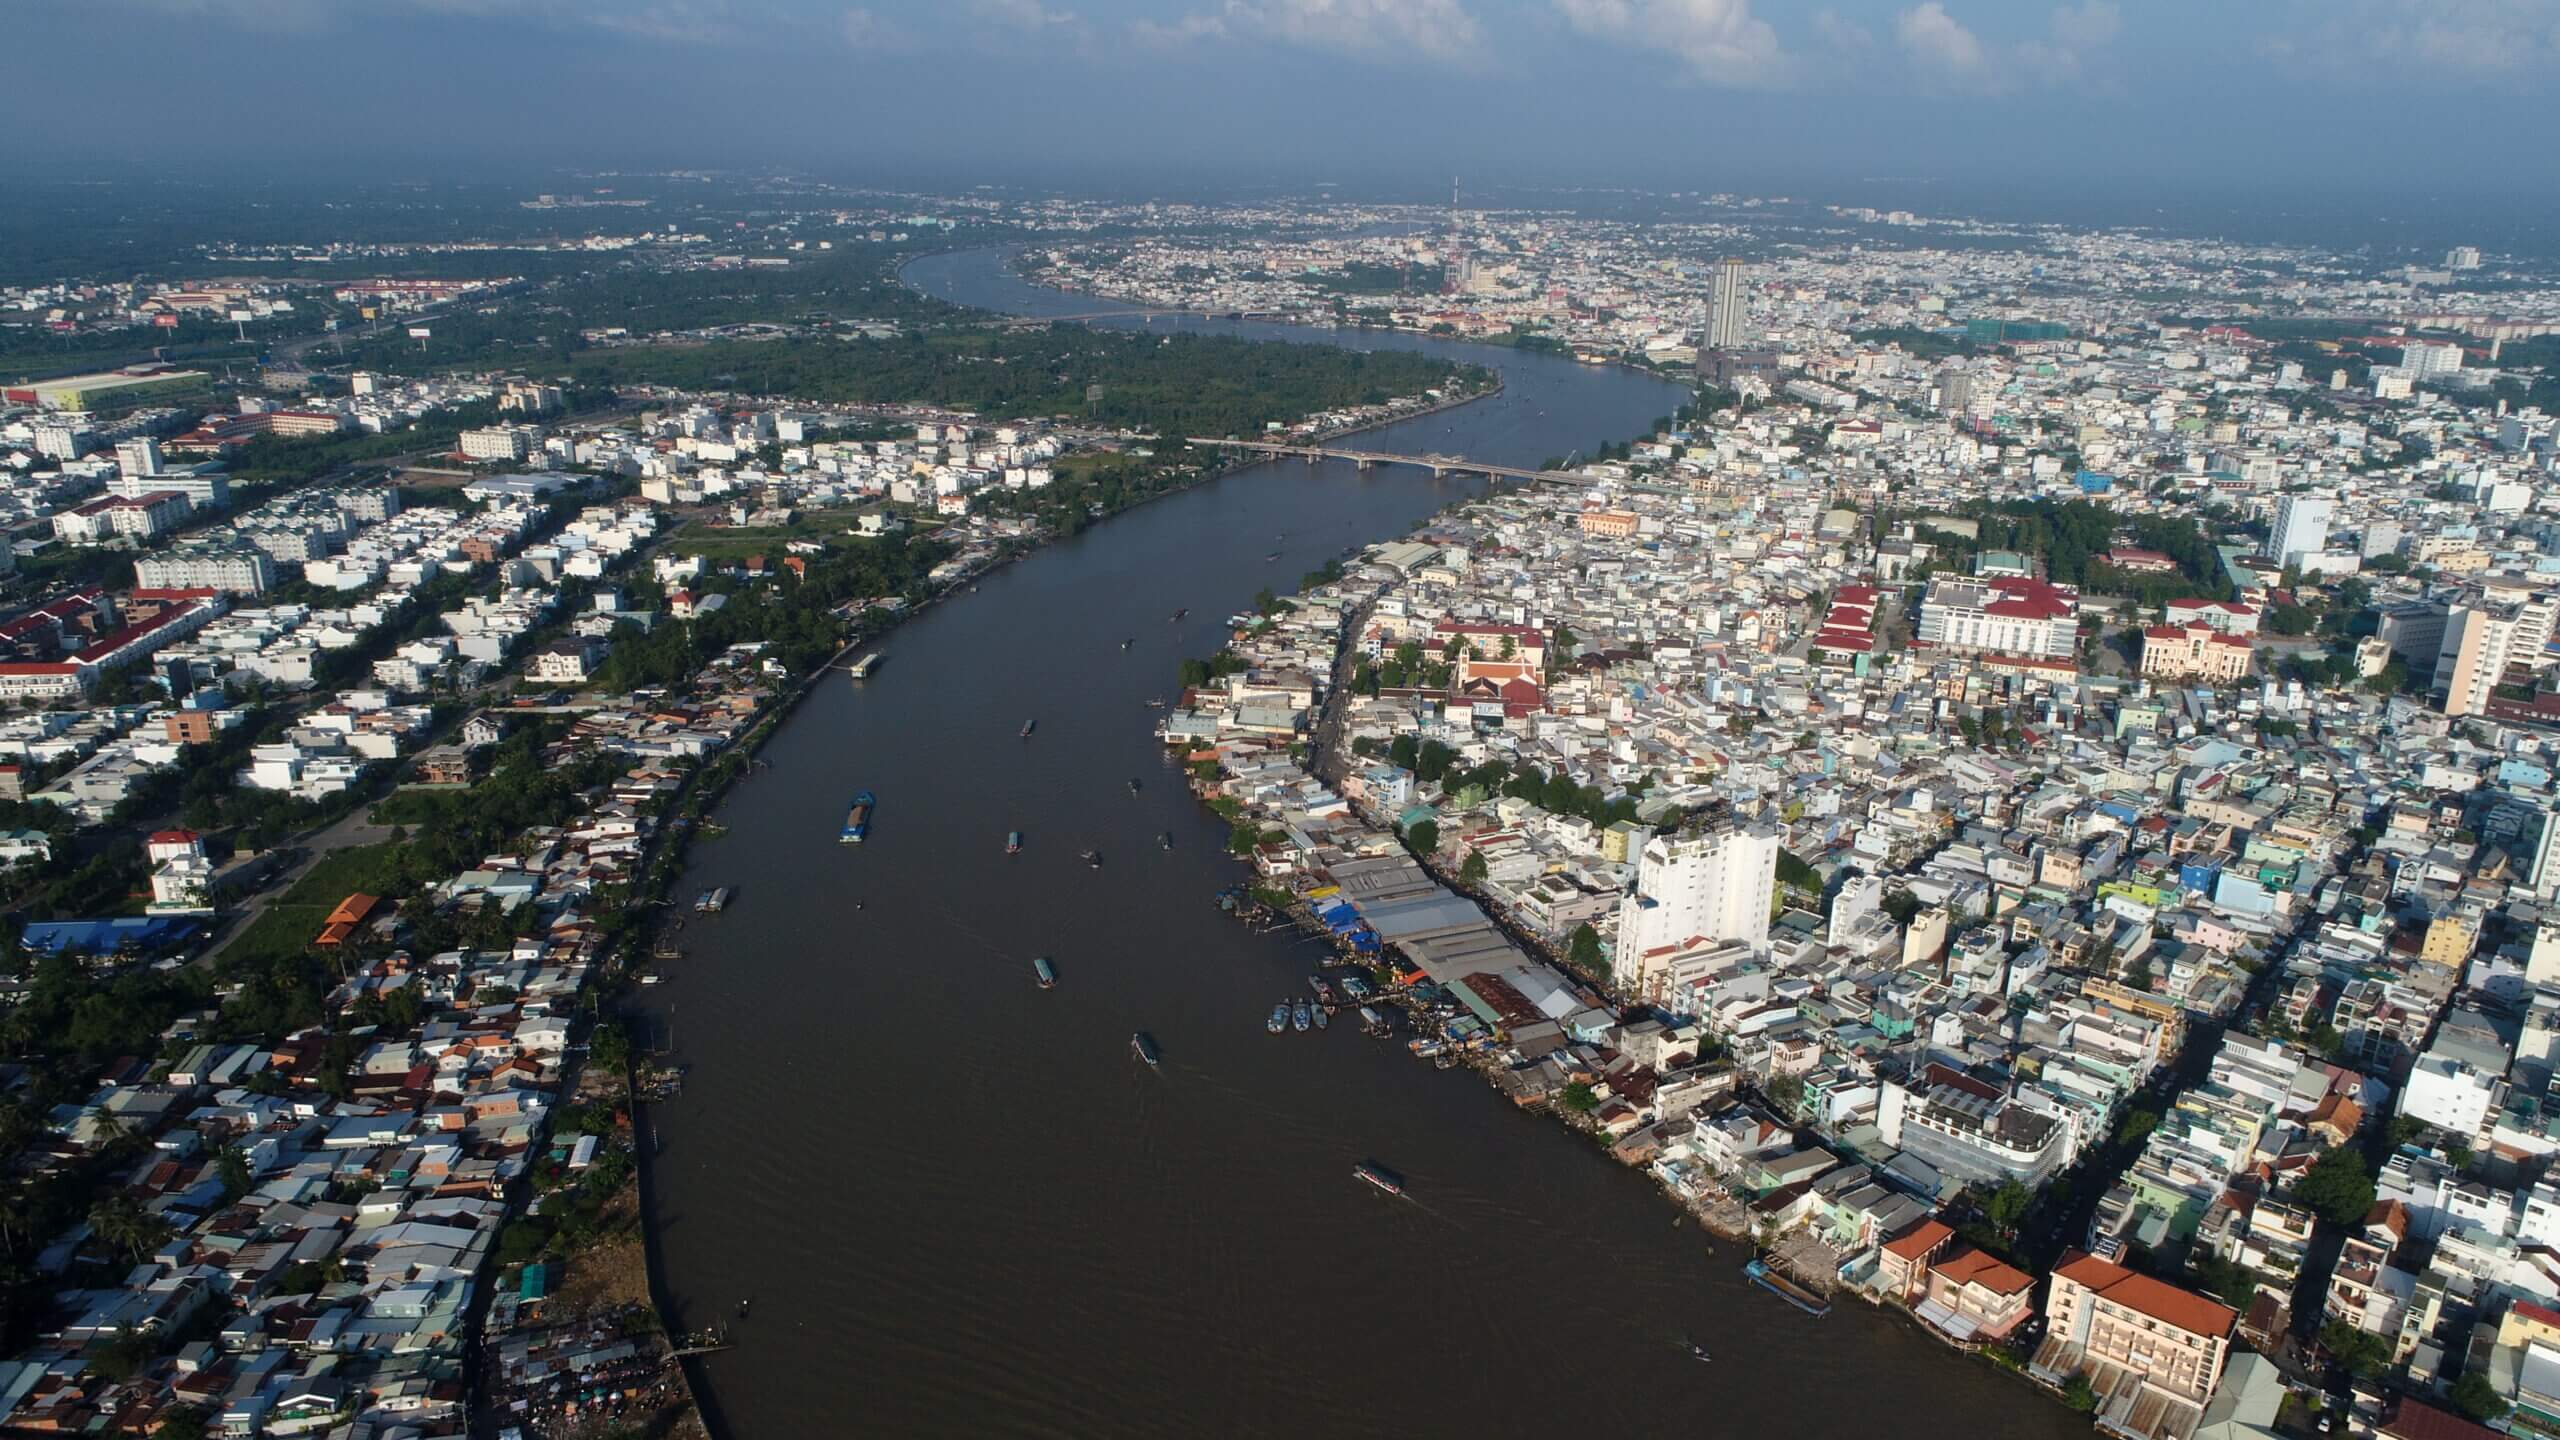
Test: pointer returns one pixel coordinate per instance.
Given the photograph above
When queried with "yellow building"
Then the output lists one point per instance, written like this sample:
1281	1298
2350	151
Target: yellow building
2448	940
2194	652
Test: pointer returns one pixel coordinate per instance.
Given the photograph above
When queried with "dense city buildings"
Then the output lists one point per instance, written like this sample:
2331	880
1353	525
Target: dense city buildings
2028	792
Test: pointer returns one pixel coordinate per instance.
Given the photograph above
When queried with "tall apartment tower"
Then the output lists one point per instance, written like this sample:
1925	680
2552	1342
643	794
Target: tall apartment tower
1716	882
2479	640
1726	322
2301	528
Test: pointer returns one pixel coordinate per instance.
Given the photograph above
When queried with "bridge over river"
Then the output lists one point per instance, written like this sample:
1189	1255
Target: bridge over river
1438	465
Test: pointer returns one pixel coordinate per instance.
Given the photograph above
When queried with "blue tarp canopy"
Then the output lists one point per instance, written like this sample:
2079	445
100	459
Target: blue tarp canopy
107	937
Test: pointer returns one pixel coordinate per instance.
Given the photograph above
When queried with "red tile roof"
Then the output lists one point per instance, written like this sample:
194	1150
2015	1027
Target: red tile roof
2167	1304
1980	1267
1922	1238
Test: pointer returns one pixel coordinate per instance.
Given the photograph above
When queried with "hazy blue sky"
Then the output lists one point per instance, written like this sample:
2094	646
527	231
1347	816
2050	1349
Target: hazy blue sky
1671	93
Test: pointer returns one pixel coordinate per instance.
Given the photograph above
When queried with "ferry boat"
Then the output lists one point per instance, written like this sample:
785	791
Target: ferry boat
1379	1176
1143	1045
1027	727
1013	842
857	821
1047	972
861	669
713	900
1762	1275
1298	1016
1279	1020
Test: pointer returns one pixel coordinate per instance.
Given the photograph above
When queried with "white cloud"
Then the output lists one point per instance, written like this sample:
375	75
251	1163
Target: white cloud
1938	42
1718	41
1183	30
2082	28
1020	14
1841	33
2400	40
1944	53
866	29
1439	30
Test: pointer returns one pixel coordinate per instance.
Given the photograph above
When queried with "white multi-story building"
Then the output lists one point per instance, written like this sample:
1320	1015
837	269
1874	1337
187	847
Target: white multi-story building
510	443
2001	616
2425	360
138	456
1860	896
2301	528
240	570
2479	641
2449	1094
210	490
1726	319
1712	883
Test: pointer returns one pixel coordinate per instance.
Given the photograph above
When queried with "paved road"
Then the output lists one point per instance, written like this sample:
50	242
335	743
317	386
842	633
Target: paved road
348	833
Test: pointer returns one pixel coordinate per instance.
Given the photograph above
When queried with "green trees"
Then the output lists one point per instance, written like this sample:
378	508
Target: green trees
610	1047
1581	1099
1179	385
1422	837
1796	874
1583	950
231	1165
1786	1092
2007	1206
1474	870
2337	1186
123	1224
2477	1399
2359	1352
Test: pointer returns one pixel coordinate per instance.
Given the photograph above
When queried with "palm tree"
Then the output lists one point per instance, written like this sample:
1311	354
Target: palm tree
17	1217
121	1221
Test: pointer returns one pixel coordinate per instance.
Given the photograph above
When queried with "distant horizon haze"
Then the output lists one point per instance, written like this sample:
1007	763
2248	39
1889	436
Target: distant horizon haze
2353	99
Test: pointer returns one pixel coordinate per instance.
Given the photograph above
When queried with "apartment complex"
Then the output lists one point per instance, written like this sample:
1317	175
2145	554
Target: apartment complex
2143	1344
2004	616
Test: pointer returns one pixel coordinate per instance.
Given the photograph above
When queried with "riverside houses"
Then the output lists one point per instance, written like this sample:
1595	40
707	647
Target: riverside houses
2153	1352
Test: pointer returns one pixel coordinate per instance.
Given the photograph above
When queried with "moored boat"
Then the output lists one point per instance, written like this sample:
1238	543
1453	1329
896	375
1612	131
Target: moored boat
713	900
1279	1020
1762	1274
1320	1018
1298	1016
1047	972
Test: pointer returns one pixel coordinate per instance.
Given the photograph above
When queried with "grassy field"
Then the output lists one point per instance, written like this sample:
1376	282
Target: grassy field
286	927
719	544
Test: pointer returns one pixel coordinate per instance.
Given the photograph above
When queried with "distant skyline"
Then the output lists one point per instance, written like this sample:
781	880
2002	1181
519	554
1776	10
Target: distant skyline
2367	95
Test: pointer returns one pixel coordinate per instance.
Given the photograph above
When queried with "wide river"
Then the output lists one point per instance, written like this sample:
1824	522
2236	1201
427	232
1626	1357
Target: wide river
960	1208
